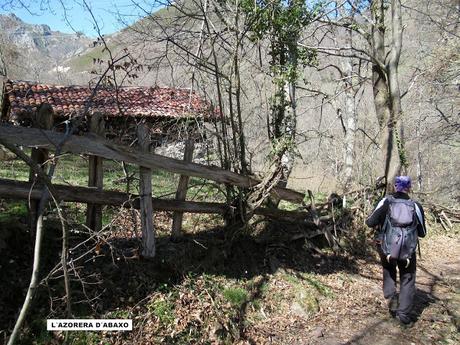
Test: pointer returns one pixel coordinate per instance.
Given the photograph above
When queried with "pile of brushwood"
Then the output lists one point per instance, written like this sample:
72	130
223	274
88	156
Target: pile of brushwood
445	216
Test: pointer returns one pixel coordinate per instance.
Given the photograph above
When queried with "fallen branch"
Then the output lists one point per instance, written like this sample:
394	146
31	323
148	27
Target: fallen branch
316	219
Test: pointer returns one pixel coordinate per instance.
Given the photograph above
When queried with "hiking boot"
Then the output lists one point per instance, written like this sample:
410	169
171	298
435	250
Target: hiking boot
404	323
393	305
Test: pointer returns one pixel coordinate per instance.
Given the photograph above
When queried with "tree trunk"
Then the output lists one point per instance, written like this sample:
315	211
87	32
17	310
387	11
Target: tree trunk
350	111
380	80
393	77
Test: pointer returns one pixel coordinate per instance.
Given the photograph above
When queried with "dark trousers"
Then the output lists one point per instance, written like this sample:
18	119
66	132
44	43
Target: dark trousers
406	283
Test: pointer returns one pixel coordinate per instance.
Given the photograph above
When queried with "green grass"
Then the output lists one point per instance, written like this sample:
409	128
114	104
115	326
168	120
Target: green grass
236	296
164	310
263	289
303	294
320	287
41	335
118	314
72	170
288	206
14	170
13	210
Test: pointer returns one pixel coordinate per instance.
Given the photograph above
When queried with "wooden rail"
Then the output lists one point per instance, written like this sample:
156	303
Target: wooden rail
92	145
22	190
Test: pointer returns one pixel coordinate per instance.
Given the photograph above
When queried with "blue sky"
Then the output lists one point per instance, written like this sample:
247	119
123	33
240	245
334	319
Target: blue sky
105	11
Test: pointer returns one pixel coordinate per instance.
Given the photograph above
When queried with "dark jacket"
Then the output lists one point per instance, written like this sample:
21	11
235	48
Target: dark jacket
377	217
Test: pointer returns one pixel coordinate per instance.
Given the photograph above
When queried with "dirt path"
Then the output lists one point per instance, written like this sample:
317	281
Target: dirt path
358	314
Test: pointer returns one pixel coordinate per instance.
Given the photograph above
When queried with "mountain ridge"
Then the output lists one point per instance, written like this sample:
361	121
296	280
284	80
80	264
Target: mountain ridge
40	51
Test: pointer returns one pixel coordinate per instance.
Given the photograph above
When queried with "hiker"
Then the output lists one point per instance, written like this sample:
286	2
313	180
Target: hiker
401	221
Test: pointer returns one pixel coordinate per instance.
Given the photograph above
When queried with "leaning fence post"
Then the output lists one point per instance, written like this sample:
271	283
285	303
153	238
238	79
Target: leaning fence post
96	174
44	120
181	192
145	192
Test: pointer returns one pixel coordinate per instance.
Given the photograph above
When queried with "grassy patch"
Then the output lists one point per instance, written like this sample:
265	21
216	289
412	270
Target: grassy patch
303	294
236	296
288	206
163	310
259	291
118	314
319	197
73	170
13	210
38	335
14	170
320	287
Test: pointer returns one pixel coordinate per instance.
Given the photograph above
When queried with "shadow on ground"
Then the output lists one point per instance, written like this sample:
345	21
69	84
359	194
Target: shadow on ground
114	277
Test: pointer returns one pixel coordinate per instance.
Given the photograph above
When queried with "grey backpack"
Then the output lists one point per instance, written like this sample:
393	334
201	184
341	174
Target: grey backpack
399	240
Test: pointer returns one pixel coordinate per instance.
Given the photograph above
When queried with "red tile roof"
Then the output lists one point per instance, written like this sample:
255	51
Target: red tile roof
24	97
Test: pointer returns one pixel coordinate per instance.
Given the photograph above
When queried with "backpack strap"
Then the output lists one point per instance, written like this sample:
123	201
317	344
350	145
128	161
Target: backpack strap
390	199
387	222
418	213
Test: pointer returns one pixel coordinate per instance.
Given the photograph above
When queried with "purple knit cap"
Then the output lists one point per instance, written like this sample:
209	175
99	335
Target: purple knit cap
402	183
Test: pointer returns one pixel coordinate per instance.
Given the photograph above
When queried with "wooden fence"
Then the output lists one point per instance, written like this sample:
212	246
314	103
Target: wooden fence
98	148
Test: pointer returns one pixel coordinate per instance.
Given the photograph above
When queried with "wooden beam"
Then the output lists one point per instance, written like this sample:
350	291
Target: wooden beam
92	145
42	119
182	191
22	190
145	190
96	174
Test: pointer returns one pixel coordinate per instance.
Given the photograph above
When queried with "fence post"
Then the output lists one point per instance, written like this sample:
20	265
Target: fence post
95	174
181	192
145	192
44	120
